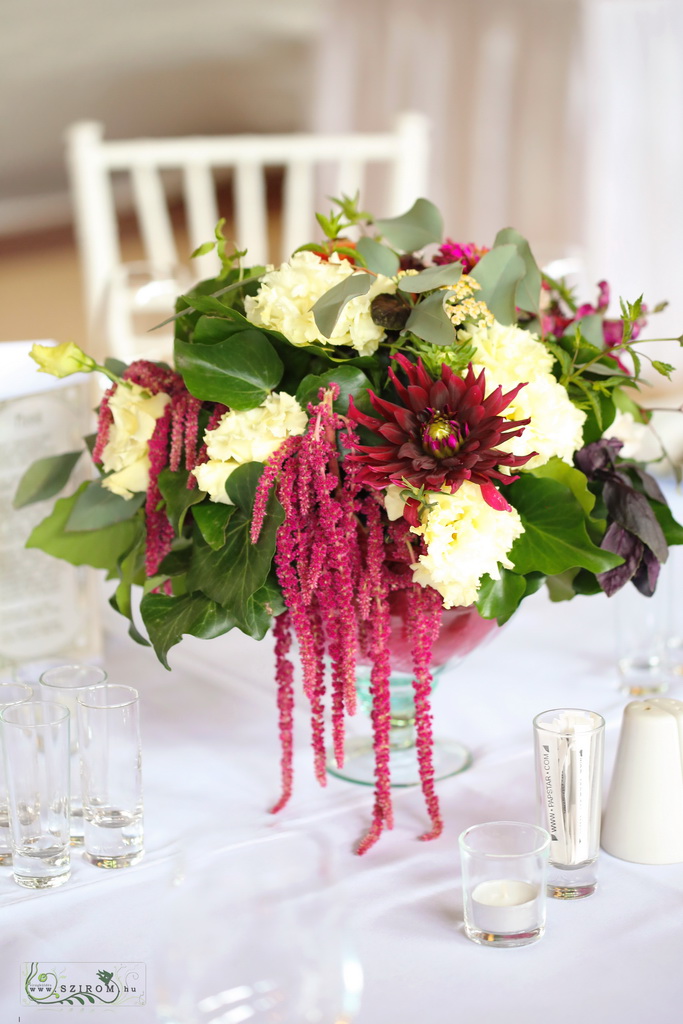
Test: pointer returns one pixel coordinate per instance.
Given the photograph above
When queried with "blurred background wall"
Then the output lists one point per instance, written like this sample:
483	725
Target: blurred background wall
561	117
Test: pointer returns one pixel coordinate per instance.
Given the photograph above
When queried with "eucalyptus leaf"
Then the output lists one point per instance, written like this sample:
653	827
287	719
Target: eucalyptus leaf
327	309
430	322
591	330
100	549
499	272
432	277
555	537
350	379
528	291
420	226
96	506
168	619
44	478
212	519
378	258
178	496
239	372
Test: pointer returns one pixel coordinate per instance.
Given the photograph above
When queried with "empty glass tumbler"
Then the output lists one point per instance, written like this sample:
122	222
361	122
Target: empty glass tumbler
63	684
111	774
10	693
36	752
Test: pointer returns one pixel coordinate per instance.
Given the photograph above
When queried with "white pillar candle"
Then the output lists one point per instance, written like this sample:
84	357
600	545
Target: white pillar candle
505	906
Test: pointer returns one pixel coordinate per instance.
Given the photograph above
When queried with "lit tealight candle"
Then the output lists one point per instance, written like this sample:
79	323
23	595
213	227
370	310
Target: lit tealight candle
505	906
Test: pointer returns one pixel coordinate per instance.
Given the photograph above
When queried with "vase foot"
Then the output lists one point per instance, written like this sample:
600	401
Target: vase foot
449	758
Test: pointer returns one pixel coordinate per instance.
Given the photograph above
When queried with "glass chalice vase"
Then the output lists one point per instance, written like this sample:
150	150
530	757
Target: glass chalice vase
462	629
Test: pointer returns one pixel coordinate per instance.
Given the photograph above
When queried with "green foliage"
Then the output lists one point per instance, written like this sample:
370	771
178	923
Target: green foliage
498	599
327	309
95	507
528	290
101	548
350	379
499	272
432	277
420	226
555	536
239	372
212	520
430	321
45	478
168	619
378	258
178	496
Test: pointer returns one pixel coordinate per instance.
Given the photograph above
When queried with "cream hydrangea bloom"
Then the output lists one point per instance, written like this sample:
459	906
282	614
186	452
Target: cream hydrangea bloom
510	355
285	300
249	436
126	454
465	538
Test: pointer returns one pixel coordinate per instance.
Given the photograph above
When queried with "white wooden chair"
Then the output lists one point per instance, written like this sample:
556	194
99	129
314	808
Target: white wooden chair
92	161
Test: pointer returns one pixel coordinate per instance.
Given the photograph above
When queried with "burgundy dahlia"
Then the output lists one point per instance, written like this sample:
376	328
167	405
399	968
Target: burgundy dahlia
444	432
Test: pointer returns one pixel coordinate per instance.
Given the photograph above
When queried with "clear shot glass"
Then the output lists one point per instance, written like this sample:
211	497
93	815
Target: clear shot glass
504	882
644	656
111	774
36	754
569	744
63	683
10	693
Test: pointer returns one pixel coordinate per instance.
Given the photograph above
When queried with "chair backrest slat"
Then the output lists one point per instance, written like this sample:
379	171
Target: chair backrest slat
298	206
153	216
202	216
93	160
250	207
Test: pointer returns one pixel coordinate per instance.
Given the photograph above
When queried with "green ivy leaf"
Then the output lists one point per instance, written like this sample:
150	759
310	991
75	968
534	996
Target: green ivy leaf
499	272
178	496
350	379
260	609
232	574
168	619
241	485
432	277
378	258
574	479
101	549
239	372
420	226
528	291
430	322
96	506
673	531
212	518
45	478
131	570
327	309
555	537
499	599
561	587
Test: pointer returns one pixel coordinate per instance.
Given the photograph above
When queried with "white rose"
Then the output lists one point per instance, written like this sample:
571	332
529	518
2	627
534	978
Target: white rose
126	453
249	436
285	300
466	539
510	355
254	434
211	477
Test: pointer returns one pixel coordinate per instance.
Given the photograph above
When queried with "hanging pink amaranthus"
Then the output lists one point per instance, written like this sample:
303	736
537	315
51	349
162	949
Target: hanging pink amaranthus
173	442
337	570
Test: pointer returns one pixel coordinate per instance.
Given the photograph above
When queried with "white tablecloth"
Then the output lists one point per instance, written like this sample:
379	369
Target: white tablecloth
211	765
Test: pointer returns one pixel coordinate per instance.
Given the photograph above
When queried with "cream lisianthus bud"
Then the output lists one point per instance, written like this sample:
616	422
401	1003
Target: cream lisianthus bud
62	360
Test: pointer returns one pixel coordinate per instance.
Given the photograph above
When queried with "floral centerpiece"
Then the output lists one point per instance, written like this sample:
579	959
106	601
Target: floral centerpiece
390	415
